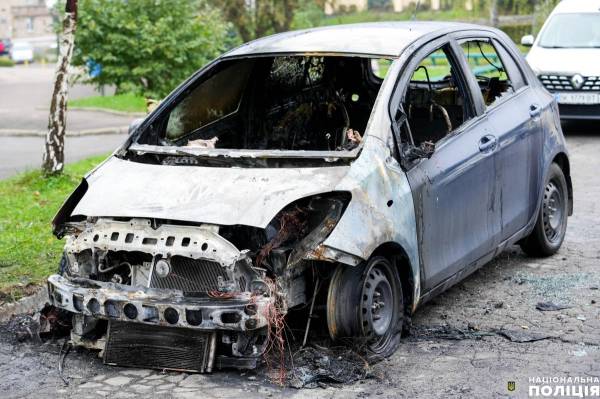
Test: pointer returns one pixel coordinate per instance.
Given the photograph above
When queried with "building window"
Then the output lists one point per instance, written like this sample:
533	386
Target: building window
29	24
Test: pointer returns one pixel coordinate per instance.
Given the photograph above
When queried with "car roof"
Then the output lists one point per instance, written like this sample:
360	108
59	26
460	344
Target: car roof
386	39
570	6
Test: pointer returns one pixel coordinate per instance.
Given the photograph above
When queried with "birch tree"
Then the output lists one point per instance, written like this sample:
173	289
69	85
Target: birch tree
494	19
54	156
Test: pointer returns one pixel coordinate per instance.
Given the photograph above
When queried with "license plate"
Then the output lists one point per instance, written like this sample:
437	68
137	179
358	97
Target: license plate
578	98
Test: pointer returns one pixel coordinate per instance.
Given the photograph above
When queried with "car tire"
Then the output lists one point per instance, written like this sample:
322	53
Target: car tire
365	306
551	224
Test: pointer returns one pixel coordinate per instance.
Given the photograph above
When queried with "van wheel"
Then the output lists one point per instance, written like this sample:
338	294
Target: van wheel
365	304
551	225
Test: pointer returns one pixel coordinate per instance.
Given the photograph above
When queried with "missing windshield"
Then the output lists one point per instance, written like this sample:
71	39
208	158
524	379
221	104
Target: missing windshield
286	103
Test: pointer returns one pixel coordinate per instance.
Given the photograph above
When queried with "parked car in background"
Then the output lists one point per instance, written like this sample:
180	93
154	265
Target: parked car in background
22	52
566	57
290	172
5	47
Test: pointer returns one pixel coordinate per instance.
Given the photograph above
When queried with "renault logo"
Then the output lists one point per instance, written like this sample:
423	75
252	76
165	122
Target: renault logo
577	81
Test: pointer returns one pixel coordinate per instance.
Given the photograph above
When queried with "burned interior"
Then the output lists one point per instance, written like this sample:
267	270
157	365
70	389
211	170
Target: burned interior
282	103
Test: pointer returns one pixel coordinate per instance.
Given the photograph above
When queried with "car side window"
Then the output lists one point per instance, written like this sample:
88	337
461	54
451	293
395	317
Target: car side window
490	69
436	102
512	67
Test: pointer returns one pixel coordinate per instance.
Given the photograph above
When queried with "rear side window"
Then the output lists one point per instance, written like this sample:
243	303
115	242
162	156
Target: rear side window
495	71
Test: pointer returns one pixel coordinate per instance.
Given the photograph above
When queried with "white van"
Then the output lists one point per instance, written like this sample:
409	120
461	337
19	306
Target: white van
22	52
566	57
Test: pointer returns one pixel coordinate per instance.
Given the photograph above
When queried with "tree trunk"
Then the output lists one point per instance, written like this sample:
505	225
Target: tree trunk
54	156
494	20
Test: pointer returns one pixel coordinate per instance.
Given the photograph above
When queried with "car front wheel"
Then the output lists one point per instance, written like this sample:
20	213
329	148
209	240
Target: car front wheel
551	225
365	304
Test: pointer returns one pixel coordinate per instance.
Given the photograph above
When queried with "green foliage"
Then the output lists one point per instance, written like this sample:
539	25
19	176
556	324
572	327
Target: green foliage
148	47
308	15
127	102
28	202
6	62
271	16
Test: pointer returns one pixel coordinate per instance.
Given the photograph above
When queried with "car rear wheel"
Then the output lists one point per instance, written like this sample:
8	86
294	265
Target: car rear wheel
551	225
365	304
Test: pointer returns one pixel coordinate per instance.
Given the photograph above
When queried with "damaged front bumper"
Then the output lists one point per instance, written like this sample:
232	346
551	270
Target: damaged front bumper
163	328
236	312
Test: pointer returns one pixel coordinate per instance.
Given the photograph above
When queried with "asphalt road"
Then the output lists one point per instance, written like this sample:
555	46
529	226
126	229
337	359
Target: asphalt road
454	350
25	93
23	153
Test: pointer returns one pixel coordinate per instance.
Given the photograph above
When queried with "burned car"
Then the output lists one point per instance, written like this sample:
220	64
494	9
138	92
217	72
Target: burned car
355	171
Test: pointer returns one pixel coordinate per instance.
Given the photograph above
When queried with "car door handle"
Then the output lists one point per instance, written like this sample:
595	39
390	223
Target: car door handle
487	143
535	110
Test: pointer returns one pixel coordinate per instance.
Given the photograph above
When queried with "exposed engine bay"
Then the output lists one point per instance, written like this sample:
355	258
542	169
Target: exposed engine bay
136	283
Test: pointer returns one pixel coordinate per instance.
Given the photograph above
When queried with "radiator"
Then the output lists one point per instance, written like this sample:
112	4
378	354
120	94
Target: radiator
147	346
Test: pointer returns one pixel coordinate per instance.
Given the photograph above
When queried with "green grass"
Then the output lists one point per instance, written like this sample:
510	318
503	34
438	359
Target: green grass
28	202
6	62
121	102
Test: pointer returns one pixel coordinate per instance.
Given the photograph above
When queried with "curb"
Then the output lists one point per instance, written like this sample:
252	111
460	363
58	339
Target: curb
29	304
70	133
109	111
103	110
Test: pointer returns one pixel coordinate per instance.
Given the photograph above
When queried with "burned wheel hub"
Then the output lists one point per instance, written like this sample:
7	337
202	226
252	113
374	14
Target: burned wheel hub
377	303
553	211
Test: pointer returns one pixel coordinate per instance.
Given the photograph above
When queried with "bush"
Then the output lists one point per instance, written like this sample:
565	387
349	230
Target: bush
6	62
308	15
148	47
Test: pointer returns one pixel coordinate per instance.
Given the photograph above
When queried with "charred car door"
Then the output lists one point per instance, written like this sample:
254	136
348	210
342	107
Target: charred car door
447	148
514	112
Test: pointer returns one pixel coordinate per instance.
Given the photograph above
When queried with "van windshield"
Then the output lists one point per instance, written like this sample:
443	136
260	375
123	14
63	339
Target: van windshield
577	30
285	103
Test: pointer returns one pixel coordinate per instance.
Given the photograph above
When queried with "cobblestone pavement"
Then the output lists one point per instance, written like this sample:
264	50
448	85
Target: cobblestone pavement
453	352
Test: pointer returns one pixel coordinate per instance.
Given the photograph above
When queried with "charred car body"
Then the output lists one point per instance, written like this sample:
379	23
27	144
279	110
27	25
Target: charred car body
364	167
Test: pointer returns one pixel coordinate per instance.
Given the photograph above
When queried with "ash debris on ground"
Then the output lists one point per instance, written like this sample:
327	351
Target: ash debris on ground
317	367
522	336
49	322
550	306
447	332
